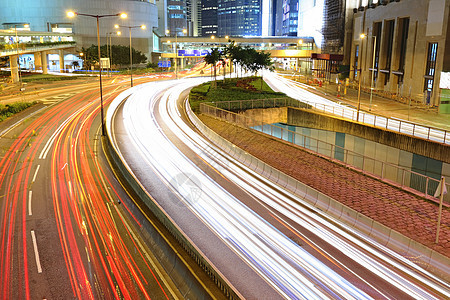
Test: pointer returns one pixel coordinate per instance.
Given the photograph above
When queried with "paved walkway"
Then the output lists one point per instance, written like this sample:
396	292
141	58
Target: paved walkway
406	213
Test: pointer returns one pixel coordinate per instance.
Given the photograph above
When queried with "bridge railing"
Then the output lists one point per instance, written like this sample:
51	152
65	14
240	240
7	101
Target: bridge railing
388	172
421	131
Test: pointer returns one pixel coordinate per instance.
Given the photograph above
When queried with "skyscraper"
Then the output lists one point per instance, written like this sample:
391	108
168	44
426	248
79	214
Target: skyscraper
176	11
239	17
209	17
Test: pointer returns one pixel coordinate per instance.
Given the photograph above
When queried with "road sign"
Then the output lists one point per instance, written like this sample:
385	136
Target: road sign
105	62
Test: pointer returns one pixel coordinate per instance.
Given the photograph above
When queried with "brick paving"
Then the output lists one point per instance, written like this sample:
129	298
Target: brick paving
404	212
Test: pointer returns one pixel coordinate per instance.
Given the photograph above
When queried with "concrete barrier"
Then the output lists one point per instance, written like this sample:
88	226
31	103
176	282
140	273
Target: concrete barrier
433	261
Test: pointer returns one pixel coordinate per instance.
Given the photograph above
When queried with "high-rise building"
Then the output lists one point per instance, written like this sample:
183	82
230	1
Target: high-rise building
239	17
209	17
289	25
194	17
176	16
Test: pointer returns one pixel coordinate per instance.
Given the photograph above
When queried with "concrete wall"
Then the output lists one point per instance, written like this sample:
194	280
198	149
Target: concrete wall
302	118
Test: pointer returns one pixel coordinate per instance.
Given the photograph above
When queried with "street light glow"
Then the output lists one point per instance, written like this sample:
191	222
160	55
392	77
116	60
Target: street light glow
143	26
116	26
362	36
184	31
71	14
123	15
119	33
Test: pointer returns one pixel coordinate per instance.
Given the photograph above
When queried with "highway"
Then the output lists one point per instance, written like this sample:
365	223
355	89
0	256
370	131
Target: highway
298	251
63	233
300	92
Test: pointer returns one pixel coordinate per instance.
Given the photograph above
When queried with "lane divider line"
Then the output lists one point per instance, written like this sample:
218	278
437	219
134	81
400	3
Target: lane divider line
36	253
30	194
35	174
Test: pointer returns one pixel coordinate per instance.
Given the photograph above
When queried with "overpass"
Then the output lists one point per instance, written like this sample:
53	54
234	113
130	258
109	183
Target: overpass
298	48
15	42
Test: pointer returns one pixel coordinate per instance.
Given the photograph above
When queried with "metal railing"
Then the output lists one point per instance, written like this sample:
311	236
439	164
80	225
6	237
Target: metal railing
347	112
385	171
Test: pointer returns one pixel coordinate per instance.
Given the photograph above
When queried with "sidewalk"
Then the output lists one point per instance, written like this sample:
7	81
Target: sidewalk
415	113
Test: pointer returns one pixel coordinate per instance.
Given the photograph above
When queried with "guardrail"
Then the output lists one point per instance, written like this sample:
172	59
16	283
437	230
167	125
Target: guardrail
387	172
348	112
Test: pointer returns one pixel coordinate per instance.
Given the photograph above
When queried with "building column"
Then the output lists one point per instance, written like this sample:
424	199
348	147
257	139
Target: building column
44	62
61	61
37	61
14	68
181	63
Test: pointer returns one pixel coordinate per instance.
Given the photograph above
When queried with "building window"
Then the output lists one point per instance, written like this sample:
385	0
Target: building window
431	67
403	36
377	33
389	43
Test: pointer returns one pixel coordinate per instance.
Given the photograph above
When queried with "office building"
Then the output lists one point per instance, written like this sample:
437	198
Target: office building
406	46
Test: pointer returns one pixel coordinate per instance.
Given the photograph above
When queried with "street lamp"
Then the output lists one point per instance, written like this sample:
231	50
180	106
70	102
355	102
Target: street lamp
131	52
176	51
362	36
72	14
109	47
373	71
18	59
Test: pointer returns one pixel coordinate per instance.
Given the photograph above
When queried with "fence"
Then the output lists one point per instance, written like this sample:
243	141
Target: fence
421	131
388	172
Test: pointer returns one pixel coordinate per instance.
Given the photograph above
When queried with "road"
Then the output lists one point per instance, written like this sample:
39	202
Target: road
298	251
62	232
300	92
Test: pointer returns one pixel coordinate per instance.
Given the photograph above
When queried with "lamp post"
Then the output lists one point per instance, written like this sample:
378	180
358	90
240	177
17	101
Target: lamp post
373	70
109	47
72	14
176	51
362	36
131	51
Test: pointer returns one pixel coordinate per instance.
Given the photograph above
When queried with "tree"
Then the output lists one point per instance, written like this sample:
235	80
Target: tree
120	55
213	58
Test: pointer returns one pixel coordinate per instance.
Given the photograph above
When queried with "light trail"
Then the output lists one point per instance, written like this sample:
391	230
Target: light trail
292	271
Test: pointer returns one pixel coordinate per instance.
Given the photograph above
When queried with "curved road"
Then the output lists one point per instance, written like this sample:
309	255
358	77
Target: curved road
62	233
296	250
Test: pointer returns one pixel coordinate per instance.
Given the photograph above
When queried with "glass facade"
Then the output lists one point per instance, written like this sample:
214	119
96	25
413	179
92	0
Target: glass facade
239	17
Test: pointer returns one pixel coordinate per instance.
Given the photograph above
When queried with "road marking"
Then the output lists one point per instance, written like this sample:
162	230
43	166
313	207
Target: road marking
35	174
36	253
30	193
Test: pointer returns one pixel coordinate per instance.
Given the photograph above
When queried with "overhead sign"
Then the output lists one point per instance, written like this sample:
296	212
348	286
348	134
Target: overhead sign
164	64
192	52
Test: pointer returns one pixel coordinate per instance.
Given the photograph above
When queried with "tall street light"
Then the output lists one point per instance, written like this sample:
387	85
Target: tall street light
131	52
176	51
109	46
362	36
72	14
373	70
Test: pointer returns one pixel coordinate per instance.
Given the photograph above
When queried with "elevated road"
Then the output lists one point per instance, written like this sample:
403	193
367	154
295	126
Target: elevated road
246	226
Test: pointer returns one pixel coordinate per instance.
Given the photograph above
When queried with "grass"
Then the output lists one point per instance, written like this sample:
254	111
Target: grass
9	110
231	90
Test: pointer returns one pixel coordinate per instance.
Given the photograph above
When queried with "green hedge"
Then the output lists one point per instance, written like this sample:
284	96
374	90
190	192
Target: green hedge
9	110
231	90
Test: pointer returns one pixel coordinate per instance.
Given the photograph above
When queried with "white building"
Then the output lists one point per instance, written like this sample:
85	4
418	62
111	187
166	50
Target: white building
51	16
